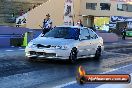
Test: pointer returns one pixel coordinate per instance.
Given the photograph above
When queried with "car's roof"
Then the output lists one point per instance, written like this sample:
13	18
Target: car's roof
71	26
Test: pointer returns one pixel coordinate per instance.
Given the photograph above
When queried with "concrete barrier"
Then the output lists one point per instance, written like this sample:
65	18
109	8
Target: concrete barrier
13	30
4	42
11	35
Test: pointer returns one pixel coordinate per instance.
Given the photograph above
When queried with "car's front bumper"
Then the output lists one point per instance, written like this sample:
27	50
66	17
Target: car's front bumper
47	53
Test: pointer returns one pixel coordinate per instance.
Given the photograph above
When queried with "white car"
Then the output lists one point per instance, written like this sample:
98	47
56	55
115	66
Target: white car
64	42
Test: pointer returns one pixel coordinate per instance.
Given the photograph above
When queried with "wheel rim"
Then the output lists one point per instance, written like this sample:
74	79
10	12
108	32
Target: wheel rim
73	57
98	53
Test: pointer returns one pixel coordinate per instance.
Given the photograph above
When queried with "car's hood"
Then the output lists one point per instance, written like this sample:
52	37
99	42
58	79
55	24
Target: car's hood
53	41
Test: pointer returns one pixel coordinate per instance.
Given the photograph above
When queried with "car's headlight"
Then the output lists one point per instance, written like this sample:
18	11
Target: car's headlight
31	45
62	47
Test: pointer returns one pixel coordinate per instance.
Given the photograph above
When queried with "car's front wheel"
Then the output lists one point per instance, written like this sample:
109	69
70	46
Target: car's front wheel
73	55
98	53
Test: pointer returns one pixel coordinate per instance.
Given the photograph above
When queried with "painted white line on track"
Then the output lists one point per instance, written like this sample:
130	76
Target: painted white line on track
116	69
21	49
129	42
12	46
9	50
114	43
63	85
73	82
28	79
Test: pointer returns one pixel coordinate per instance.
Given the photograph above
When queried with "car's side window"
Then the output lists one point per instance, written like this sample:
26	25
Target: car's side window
93	35
84	34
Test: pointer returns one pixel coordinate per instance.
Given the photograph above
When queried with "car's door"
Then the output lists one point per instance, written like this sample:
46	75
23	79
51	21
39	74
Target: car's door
84	45
94	41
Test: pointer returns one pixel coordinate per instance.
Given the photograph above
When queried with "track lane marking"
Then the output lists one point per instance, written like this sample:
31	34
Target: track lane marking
21	49
9	50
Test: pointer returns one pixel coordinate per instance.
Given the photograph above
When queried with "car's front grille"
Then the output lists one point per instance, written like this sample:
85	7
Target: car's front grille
43	53
50	54
39	53
32	52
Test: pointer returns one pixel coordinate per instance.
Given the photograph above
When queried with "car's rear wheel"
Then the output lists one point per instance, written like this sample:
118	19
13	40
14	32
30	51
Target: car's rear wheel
98	53
73	55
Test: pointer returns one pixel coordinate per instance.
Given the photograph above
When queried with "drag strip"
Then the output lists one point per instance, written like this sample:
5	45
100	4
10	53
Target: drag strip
17	72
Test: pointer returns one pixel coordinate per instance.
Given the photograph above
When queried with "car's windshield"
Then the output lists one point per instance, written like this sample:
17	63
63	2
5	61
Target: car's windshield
64	32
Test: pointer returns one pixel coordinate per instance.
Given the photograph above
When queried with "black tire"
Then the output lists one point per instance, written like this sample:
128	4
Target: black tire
73	55
98	53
